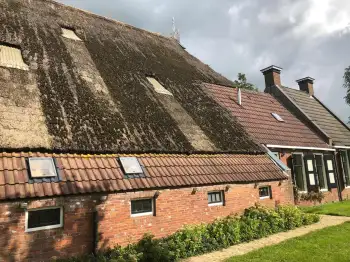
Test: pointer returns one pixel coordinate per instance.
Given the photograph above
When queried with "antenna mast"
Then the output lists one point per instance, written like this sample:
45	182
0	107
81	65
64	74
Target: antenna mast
176	33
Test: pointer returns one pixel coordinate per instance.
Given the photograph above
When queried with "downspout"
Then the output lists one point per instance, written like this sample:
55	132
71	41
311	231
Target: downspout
338	177
95	232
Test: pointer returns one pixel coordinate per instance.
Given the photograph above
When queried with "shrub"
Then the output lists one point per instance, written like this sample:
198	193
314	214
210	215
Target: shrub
313	196
256	222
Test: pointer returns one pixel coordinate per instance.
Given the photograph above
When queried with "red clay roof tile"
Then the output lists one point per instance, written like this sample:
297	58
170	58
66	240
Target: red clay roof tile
84	174
255	115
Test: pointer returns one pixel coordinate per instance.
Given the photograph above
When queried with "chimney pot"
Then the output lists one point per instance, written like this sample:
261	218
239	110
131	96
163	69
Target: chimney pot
306	84
272	76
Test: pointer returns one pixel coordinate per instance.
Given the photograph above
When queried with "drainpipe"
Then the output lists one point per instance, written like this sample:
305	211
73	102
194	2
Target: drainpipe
95	232
338	176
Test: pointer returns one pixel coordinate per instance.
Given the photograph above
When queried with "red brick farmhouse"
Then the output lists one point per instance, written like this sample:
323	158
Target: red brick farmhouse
126	140
297	128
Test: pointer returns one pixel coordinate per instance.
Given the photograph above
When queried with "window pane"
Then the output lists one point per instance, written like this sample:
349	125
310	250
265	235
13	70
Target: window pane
331	178
141	206
214	197
310	166
46	217
42	167
264	191
299	178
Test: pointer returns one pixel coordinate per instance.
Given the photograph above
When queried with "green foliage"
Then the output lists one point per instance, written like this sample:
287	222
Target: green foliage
242	83
256	222
347	85
313	196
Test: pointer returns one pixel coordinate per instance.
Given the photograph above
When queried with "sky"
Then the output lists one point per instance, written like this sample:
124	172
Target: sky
304	37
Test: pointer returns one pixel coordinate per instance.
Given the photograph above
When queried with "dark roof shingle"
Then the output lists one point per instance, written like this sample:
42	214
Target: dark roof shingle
322	116
162	171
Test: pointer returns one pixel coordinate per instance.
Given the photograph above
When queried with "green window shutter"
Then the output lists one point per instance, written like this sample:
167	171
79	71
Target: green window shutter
330	171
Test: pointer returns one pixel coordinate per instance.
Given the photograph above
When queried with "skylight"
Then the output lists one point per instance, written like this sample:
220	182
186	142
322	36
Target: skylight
41	167
277	117
69	33
131	167
12	57
158	87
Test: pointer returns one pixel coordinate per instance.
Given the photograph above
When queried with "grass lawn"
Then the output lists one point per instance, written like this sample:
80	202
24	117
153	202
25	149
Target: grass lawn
334	209
329	244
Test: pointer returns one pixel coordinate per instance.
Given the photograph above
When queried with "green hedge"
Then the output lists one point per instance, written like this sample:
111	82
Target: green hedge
256	222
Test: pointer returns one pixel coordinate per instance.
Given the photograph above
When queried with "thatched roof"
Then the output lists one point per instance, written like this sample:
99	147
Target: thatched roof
93	95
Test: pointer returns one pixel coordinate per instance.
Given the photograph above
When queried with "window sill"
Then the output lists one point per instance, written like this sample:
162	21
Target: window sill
142	214
216	204
266	197
28	230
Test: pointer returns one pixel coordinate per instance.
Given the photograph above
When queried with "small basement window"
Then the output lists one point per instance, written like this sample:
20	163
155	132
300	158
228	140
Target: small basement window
41	167
70	33
142	207
215	198
131	167
277	117
158	87
44	218
11	56
265	192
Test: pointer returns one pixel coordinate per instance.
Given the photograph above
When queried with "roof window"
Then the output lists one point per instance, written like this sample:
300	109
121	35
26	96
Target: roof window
277	117
131	167
70	33
158	87
11	56
42	167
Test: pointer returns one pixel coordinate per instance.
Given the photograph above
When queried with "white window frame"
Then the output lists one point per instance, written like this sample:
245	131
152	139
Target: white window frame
218	203
303	167
324	172
44	227
265	197
42	158
347	164
145	213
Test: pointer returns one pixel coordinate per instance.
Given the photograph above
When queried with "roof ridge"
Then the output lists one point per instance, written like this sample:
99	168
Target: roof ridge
106	18
242	89
22	154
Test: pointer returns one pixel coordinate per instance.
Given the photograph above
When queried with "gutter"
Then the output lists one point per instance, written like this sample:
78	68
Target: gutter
342	147
301	147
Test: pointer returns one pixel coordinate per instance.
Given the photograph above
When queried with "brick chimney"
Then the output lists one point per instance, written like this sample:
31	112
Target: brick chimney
306	84
272	76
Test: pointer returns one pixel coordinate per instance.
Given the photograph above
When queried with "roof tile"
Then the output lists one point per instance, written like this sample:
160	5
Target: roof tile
79	175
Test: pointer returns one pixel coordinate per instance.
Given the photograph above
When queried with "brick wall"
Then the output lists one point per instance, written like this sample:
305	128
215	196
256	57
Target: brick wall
174	208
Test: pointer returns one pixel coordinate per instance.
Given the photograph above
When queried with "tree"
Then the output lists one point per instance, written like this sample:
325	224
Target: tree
347	85
242	83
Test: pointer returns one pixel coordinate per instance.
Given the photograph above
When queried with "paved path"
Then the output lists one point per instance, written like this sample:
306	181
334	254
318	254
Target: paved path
244	248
